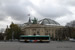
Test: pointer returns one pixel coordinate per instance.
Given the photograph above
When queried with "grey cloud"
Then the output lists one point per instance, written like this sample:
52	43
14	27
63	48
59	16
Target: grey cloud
53	12
71	2
2	13
15	9
47	10
67	2
2	17
19	11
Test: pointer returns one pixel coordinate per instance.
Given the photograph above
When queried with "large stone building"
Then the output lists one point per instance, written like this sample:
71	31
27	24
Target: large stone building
42	27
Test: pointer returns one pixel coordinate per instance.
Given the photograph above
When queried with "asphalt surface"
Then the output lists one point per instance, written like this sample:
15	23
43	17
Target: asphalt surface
53	45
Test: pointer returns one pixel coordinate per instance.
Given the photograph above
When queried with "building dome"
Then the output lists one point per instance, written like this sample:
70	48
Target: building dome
48	22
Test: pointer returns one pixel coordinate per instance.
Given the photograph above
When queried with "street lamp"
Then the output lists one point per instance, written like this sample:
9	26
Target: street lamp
12	35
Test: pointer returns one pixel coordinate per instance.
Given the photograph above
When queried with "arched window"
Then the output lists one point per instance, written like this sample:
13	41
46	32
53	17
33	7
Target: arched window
46	33
38	33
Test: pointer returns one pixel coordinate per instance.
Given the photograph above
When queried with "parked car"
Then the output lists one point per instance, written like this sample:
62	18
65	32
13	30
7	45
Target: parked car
72	39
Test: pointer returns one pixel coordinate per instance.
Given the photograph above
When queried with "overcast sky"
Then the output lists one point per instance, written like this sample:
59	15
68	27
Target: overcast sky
62	11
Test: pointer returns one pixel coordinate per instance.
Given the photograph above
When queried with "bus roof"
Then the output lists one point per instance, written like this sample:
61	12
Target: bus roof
34	36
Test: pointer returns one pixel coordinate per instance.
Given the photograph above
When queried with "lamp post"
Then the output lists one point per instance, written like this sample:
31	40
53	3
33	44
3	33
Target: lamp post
12	35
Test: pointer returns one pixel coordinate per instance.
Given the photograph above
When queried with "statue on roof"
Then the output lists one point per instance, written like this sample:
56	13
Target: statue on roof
34	21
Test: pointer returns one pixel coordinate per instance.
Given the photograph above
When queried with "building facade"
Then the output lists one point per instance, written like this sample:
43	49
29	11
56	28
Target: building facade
37	29
43	27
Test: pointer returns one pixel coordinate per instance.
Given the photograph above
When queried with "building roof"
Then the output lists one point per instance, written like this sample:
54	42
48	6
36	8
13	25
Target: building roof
47	21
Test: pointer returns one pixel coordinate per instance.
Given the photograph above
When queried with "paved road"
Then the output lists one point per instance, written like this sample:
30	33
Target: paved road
53	45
